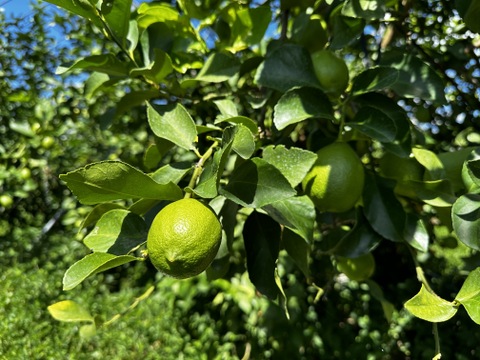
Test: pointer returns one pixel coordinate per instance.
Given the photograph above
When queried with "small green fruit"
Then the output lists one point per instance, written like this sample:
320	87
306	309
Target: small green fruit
358	269
331	72
6	201
48	142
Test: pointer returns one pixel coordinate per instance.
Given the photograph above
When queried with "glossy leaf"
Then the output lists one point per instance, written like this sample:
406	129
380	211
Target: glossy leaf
93	264
471	16
173	123
173	172
430	307
157	70
261	236
299	104
298	249
434	166
346	30
117	16
436	193
296	213
248	25
219	67
416	233
133	99
293	163
466	220
81	8
469	295
365	9
416	78
374	79
239	120
473	167
115	180
70	311
361	240
244	142
287	66
382	209
256	183
117	232
105	63
150	13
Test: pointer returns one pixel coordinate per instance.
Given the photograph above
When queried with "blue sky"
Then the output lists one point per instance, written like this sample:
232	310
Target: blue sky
16	7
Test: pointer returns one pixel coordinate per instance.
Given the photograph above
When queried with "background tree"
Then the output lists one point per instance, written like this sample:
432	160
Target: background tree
229	103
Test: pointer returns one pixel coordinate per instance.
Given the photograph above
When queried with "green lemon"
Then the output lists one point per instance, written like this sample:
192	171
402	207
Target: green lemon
358	269
331	71
48	142
6	201
25	173
335	182
184	238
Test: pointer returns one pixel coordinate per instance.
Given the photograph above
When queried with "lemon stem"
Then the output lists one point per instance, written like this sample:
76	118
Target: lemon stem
199	168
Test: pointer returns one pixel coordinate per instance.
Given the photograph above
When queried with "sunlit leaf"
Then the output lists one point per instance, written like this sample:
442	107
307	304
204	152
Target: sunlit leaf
117	16
115	180
299	104
105	63
466	220
117	232
256	183
374	79
93	264
430	307
69	310
469	295
174	123
294	163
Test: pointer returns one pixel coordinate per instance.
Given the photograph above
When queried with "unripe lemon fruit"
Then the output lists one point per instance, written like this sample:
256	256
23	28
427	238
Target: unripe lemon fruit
335	182
184	238
331	71
358	269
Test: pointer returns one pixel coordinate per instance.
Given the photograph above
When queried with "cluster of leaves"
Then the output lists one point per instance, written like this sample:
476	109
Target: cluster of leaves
231	111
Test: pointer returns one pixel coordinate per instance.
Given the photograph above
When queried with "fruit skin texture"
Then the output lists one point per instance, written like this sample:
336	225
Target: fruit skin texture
184	238
331	71
335	182
358	269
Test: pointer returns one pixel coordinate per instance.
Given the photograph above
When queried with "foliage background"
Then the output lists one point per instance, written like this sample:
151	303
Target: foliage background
197	318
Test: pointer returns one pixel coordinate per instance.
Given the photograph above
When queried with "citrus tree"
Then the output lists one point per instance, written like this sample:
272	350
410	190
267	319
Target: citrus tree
339	136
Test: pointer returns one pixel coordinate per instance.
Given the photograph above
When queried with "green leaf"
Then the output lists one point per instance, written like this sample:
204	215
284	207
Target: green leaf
430	307
261	236
416	78
94	83
117	232
239	120
157	70
436	193
469	295
361	240
243	142
133	99
382	209
70	311
299	104
298	249
473	168
416	233
105	63
81	8
365	9
219	67
114	180
434	166
174	123
296	213
285	67
22	127
466	220
381	118
374	79
173	172
150	13
98	212
346	30
248	25
93	264
256	183
87	331
117	16
293	163
227	108
471	16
